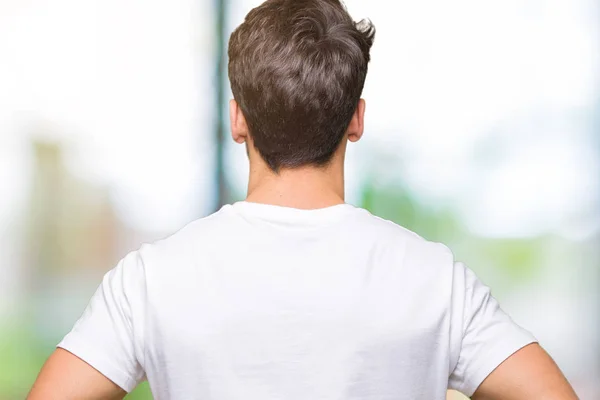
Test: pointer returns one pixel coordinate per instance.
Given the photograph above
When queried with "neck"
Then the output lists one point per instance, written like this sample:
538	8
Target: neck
303	188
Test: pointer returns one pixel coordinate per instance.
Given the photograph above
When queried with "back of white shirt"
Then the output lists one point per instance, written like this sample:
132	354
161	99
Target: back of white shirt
266	302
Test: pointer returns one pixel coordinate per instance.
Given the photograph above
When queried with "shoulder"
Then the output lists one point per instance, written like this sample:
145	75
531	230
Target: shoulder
197	236
414	247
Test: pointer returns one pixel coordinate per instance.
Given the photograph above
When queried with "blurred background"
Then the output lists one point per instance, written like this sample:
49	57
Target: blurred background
482	132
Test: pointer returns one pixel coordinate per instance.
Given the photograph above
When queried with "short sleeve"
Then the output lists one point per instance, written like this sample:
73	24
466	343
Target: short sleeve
486	335
109	335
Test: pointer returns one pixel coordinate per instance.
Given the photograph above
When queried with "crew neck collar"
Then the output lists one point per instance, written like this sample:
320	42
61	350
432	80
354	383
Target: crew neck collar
296	216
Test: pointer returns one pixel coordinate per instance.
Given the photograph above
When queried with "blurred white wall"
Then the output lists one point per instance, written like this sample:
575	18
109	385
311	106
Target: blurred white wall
127	86
126	89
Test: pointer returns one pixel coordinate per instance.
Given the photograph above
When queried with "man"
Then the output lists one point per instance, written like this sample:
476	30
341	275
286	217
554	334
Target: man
293	294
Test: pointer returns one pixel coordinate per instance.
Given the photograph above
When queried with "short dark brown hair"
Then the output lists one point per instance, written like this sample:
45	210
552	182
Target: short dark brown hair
297	70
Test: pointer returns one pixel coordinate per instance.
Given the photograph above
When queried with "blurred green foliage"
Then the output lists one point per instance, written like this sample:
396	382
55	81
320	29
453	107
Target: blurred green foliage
22	358
22	354
142	392
517	260
397	203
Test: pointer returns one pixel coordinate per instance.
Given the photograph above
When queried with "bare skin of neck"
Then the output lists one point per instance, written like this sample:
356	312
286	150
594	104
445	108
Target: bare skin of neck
307	187
303	188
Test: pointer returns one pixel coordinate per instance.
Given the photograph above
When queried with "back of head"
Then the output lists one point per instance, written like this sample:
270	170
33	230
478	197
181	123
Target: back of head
297	70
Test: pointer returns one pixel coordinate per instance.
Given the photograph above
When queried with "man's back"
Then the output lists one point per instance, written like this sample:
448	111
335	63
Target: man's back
267	302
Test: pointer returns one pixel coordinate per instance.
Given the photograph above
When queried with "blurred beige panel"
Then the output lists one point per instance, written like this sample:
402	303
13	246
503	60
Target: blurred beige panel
453	395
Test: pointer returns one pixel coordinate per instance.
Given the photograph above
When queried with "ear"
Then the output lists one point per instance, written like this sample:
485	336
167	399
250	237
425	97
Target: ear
357	124
239	128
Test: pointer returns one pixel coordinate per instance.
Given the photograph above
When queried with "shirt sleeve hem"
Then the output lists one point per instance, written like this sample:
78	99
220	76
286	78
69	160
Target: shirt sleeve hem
491	359
73	344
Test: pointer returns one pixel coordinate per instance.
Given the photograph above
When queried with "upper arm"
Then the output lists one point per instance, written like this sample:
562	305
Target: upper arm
495	358
530	373
105	348
65	376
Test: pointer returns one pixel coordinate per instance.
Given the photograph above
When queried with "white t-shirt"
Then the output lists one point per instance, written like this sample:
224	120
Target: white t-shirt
266	302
